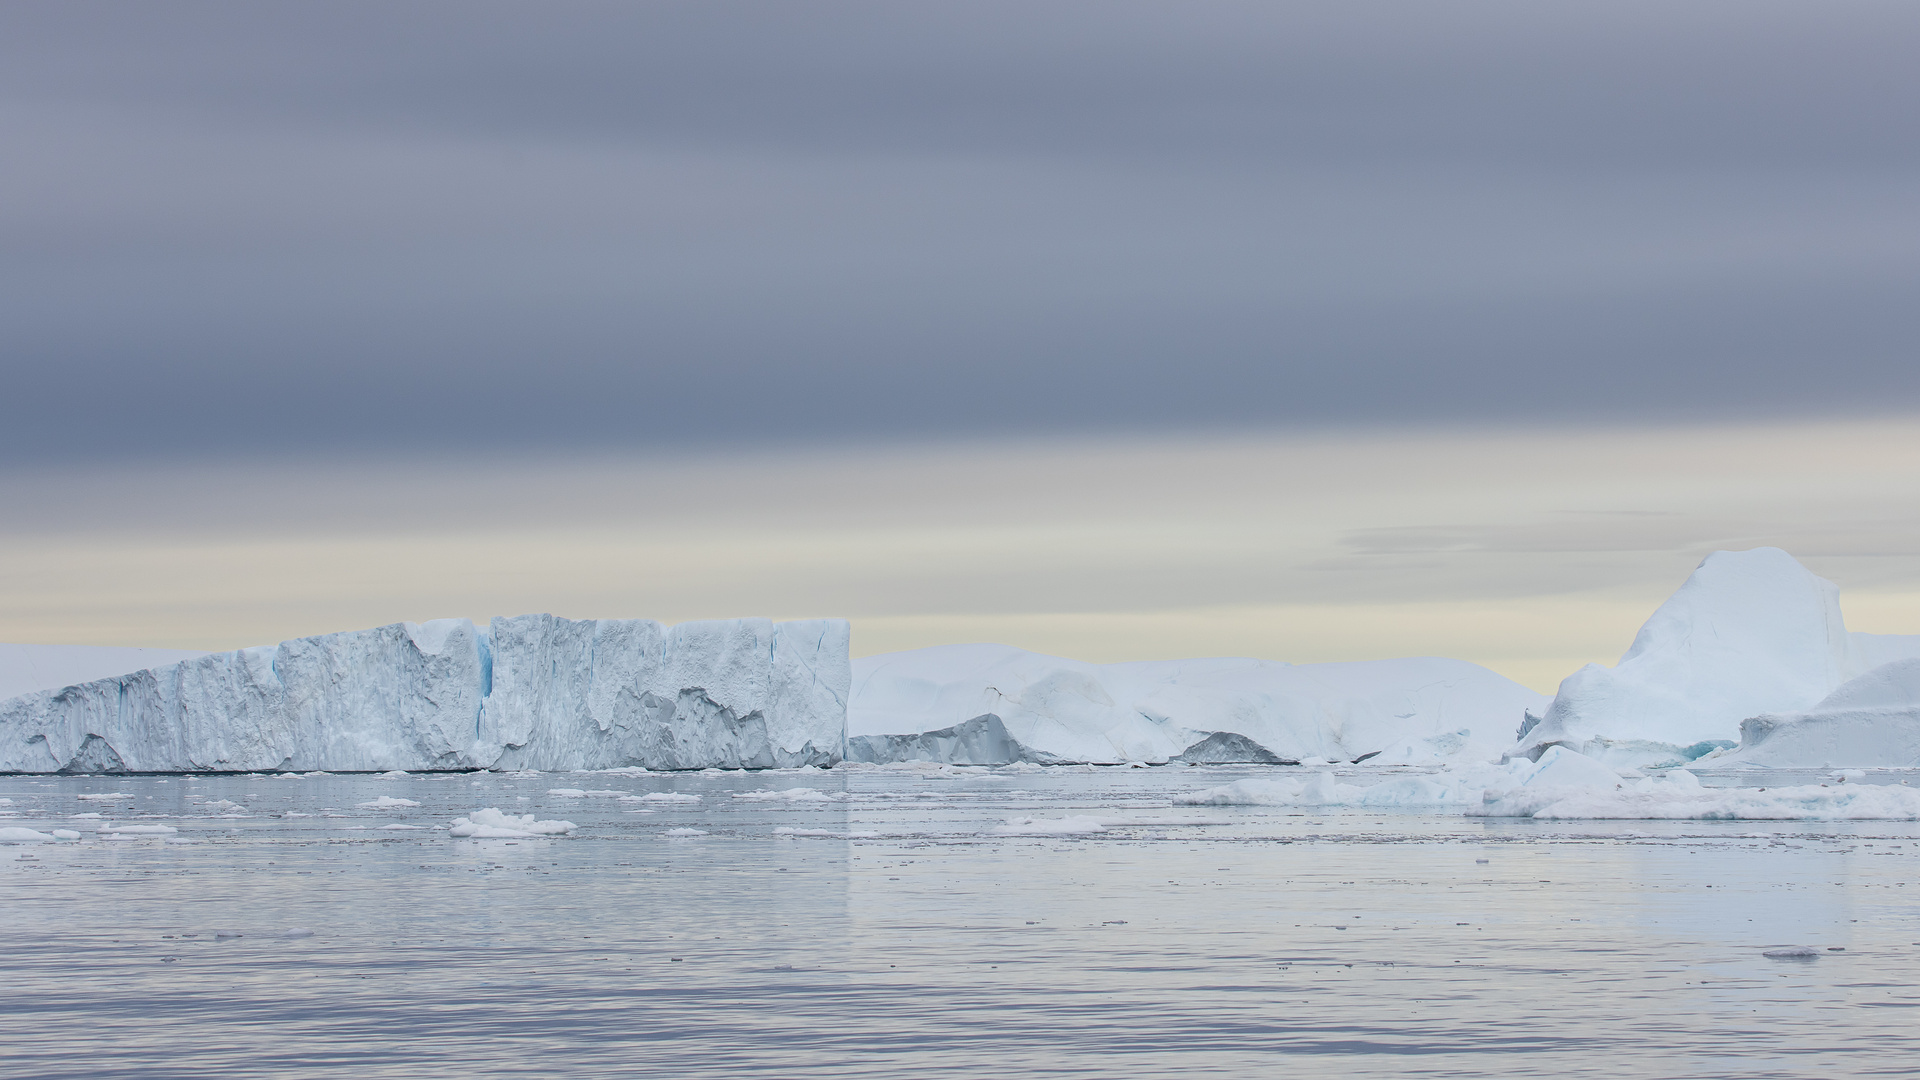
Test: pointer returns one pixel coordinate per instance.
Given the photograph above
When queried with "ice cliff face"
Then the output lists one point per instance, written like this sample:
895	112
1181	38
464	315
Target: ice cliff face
532	691
989	704
1750	632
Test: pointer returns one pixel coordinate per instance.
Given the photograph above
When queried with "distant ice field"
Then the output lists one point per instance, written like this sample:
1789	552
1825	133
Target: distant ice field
897	922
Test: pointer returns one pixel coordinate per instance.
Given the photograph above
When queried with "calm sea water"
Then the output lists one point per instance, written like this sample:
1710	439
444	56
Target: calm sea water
1191	941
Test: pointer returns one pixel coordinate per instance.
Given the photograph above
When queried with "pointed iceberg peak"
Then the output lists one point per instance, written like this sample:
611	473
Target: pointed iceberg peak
1750	632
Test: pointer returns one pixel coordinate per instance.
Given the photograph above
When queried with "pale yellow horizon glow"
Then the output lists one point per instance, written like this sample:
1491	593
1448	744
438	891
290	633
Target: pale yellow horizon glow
1531	552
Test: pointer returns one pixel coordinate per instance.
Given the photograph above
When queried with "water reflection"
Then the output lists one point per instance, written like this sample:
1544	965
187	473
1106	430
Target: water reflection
876	924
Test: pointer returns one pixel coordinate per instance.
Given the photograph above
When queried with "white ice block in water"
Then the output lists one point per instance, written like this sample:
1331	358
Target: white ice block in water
532	691
994	704
1750	632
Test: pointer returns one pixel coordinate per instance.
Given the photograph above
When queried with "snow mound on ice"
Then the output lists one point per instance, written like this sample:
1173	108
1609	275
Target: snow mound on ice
1750	632
493	824
1871	722
527	692
996	704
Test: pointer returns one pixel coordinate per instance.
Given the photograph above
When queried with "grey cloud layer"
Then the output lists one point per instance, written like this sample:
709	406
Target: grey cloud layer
247	227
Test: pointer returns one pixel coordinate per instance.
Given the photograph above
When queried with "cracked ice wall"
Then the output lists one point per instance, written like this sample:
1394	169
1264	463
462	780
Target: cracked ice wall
531	691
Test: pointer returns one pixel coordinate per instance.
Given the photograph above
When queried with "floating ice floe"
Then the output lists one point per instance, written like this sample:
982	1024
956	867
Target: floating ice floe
1064	826
494	824
17	834
577	793
386	801
139	830
798	794
660	797
685	832
829	834
1567	785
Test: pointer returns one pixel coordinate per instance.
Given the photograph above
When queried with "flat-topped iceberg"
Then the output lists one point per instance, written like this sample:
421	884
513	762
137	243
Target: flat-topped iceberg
1750	632
996	704
527	692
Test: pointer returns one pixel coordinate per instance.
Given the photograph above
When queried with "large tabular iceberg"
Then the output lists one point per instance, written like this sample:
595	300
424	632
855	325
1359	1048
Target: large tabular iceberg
1750	632
993	704
532	691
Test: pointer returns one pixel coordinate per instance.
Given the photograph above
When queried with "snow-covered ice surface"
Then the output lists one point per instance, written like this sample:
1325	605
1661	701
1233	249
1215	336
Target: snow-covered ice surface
994	704
531	691
939	921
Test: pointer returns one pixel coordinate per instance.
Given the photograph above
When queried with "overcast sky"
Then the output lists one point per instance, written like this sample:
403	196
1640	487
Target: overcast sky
1116	329
284	228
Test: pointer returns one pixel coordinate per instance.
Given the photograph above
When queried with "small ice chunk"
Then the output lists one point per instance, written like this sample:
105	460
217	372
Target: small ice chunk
798	794
395	774
1066	826
65	834
686	832
495	824
385	802
660	797
856	834
577	793
107	796
399	826
140	830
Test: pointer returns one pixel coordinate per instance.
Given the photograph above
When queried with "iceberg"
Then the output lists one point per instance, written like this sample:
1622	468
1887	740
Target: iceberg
1749	633
526	692
1869	722
996	705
